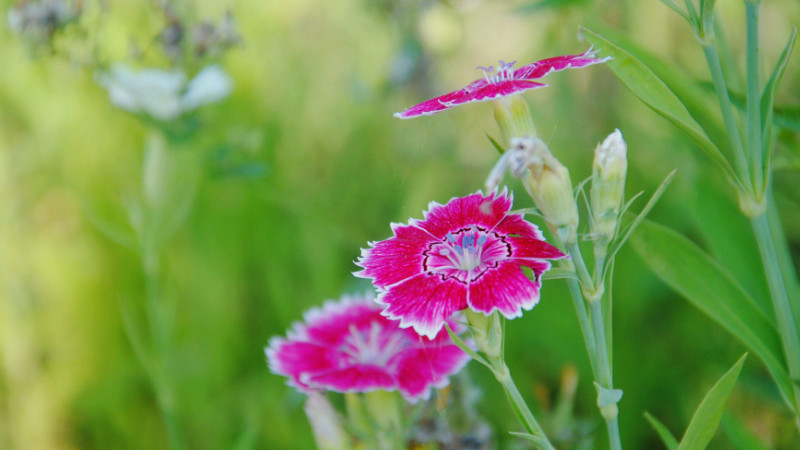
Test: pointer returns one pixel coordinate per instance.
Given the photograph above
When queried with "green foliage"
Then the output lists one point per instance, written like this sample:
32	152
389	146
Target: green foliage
768	100
707	416
710	288
658	96
663	432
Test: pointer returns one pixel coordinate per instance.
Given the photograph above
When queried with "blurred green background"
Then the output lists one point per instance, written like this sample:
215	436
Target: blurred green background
304	164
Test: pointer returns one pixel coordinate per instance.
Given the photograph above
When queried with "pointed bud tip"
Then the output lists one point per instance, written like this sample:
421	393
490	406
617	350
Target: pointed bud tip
612	147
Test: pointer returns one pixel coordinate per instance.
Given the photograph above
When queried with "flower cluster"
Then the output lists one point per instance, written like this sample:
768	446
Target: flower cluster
471	254
348	346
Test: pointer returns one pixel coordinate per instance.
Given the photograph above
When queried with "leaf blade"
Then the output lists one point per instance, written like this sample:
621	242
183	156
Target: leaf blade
663	432
768	100
707	416
646	85
686	268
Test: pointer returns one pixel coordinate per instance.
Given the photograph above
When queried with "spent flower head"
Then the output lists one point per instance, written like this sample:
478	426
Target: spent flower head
348	346
468	253
501	83
550	186
164	94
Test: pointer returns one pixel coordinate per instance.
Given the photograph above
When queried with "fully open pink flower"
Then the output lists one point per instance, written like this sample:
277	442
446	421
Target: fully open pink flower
506	81
348	346
468	253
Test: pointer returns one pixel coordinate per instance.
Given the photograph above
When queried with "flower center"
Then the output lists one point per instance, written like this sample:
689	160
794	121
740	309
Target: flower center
505	72
465	254
373	345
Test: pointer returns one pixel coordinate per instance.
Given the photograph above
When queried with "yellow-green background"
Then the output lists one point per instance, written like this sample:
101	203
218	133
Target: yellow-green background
316	83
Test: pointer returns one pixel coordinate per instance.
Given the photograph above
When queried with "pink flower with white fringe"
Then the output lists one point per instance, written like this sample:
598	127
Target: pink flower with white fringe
348	346
506	81
468	253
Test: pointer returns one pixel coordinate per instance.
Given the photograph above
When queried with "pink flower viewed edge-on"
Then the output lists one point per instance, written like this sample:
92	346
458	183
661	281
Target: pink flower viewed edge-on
348	346
506	81
468	253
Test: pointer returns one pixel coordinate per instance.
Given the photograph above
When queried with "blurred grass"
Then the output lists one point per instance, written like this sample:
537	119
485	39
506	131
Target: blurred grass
316	83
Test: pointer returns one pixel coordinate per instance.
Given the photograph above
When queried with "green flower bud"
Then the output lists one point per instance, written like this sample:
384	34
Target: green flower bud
514	118
608	185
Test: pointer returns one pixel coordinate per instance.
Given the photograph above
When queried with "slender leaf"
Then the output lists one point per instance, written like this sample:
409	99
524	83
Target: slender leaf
466	348
738	435
692	12
654	93
768	100
677	9
559	273
496	144
710	288
729	237
663	432
701	103
537	441
624	236
707	416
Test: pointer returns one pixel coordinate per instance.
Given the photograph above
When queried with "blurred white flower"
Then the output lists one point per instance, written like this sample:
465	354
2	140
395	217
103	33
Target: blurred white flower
164	94
210	85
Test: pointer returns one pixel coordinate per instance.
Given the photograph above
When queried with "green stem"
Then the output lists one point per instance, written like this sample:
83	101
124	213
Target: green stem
580	266
584	322
604	363
601	361
524	414
726	107
780	300
158	333
754	101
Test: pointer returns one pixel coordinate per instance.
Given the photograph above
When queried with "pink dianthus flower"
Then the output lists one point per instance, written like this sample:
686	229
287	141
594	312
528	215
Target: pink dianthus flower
507	81
348	346
468	253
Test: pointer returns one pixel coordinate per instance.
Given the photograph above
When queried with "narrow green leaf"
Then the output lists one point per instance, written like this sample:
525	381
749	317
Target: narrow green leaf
677	9
692	12
701	103
496	144
663	432
638	220
738	435
768	100
463	346
559	273
537	441
710	288
707	416
654	93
